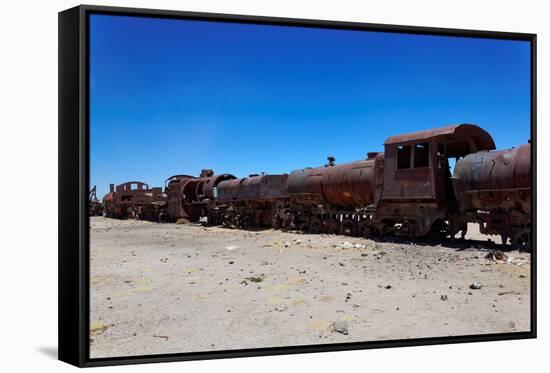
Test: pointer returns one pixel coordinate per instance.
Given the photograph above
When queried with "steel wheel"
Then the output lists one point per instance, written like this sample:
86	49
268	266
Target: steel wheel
332	226
522	240
348	228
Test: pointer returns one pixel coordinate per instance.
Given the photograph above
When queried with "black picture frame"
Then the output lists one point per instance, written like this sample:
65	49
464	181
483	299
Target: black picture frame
74	185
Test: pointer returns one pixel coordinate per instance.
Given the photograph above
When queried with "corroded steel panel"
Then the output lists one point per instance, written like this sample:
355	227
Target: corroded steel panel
350	185
480	138
497	180
134	199
174	191
306	181
346	185
257	187
211	182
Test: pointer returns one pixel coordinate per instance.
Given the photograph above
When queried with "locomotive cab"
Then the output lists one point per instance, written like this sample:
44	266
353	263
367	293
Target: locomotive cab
417	194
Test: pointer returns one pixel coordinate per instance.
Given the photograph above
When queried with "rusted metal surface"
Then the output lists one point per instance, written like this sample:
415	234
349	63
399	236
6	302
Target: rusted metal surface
495	181
206	190
95	206
174	191
407	179
254	187
187	194
346	185
197	193
250	201
202	188
134	199
306	181
479	139
493	189
417	192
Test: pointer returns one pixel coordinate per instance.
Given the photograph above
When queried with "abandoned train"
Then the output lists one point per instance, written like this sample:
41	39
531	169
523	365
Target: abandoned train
409	189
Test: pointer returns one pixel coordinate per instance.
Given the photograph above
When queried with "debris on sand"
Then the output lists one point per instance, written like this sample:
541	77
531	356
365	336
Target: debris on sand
231	247
388	286
348	245
517	261
165	337
444	297
341	327
183	221
496	255
475	286
293	242
254	279
509	292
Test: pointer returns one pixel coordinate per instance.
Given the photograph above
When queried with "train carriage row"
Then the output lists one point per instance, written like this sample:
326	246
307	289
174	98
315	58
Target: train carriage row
409	189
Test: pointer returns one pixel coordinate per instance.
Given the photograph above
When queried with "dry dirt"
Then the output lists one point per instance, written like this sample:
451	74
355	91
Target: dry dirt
168	288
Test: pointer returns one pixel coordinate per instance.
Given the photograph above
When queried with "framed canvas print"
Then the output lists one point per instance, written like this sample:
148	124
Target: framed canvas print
235	186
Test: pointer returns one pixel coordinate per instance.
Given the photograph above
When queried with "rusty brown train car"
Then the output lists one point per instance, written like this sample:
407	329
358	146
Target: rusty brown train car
493	189
190	198
134	199
249	202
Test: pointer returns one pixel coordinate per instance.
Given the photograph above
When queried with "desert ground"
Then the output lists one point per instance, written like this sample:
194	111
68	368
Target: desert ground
168	288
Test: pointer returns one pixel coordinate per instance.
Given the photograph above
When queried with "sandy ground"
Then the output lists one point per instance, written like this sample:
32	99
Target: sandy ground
167	288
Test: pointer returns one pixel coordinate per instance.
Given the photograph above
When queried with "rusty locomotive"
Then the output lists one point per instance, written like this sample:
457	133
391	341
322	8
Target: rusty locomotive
408	189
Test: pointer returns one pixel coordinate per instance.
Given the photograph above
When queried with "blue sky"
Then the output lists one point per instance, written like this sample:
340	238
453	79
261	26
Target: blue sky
175	96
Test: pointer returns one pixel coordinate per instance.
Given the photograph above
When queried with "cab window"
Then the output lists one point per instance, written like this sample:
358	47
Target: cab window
421	155
403	157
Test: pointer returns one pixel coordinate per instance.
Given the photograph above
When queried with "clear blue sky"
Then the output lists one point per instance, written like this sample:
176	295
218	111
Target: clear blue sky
175	96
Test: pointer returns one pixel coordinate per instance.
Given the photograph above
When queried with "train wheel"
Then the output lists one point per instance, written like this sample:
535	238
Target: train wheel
246	222
348	228
226	220
315	226
276	222
367	230
332	226
439	229
287	222
522	240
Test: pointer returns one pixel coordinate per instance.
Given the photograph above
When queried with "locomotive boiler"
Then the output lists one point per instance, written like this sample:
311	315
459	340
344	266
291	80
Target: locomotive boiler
335	197
346	185
250	202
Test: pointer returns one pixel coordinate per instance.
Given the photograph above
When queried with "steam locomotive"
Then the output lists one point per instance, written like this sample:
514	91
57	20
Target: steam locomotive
408	190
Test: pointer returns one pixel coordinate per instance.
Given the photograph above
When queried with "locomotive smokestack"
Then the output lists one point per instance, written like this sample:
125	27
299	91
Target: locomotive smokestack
111	188
331	161
207	173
